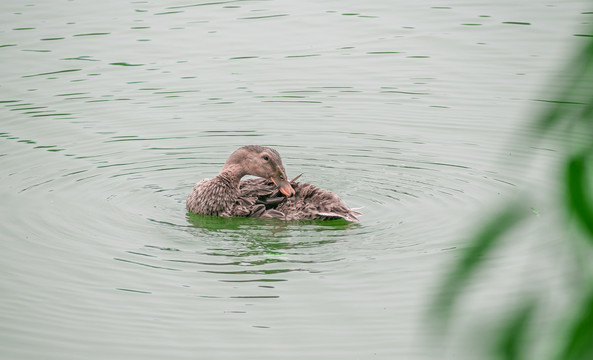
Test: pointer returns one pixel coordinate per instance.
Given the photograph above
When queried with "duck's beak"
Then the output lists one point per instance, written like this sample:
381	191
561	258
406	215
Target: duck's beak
283	185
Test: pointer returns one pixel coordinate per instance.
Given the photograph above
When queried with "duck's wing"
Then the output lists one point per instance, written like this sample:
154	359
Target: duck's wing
258	198
313	203
261	198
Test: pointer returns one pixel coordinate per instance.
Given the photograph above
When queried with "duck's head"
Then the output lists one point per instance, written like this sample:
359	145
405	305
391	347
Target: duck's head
264	162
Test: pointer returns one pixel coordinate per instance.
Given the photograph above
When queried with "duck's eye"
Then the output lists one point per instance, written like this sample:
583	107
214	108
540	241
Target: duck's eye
266	157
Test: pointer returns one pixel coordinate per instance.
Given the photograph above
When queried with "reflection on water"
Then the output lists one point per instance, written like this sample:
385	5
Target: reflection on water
274	226
244	250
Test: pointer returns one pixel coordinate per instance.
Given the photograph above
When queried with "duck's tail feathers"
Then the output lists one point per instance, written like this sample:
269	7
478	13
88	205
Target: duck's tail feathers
356	212
335	216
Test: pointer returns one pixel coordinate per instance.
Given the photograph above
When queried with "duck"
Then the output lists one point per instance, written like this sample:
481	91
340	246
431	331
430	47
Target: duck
269	195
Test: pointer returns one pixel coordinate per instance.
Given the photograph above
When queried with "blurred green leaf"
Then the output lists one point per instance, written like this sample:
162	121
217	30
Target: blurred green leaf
574	95
577	187
579	342
566	116
482	243
514	335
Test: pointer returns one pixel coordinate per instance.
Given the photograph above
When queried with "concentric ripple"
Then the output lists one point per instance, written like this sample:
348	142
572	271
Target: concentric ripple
111	111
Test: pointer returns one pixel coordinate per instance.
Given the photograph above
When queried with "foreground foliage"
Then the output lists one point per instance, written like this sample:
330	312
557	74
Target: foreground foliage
568	116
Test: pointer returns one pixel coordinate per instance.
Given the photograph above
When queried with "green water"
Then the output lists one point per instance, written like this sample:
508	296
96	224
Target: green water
111	111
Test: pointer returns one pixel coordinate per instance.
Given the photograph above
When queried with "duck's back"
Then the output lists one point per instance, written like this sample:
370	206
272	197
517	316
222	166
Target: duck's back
211	197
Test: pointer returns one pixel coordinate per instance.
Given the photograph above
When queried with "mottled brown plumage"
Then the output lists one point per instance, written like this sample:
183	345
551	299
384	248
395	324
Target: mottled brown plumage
313	203
270	196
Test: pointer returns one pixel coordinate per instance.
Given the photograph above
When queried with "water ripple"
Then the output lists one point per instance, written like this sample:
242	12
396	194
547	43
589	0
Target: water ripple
106	126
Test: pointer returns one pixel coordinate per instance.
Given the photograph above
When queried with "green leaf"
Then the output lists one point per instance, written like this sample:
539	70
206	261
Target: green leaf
579	198
481	244
513	337
573	94
579	343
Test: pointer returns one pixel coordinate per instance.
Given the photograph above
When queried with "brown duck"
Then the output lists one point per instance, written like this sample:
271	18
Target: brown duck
270	196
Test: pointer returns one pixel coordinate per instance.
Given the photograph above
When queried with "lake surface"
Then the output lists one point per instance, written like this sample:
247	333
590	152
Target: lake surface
110	111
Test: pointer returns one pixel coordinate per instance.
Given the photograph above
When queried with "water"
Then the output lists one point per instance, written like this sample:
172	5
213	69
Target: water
111	111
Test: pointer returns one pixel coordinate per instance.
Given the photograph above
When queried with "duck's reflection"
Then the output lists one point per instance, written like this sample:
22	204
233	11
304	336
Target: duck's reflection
264	242
254	255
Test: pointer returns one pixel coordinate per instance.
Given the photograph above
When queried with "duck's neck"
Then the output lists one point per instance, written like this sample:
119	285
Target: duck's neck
231	174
